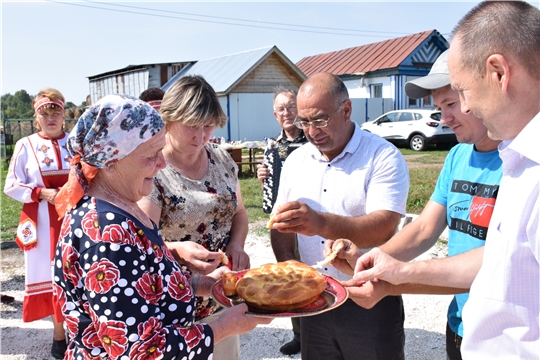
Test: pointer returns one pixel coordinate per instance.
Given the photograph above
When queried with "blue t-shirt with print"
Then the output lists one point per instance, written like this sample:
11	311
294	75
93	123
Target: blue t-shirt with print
467	186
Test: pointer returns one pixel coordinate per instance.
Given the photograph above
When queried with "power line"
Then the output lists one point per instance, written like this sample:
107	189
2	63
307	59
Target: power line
247	20
217	22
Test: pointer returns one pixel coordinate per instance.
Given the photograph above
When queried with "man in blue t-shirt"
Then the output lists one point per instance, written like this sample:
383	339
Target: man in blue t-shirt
463	201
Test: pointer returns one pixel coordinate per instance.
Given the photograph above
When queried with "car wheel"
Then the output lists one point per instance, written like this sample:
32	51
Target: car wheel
417	143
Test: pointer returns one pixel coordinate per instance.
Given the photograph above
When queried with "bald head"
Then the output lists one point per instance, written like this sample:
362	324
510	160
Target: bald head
325	84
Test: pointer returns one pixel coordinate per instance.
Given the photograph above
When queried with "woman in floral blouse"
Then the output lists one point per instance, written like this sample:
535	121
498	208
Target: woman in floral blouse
122	293
196	198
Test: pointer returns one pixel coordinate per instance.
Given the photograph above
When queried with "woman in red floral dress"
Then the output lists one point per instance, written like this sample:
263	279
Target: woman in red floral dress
122	293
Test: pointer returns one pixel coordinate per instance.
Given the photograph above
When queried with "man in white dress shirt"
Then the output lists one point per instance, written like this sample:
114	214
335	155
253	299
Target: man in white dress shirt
344	183
494	63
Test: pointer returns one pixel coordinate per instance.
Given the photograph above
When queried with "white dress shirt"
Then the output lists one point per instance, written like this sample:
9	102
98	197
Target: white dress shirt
370	174
501	318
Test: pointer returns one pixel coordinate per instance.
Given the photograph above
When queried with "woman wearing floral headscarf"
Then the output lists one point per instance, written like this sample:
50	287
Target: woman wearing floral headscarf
38	168
122	293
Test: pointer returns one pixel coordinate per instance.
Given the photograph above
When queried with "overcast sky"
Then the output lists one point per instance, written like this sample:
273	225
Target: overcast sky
60	43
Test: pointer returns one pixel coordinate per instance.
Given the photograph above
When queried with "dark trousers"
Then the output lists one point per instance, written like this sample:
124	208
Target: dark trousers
453	344
296	328
351	332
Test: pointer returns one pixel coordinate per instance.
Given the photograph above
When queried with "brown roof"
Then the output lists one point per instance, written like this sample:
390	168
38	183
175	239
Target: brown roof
362	59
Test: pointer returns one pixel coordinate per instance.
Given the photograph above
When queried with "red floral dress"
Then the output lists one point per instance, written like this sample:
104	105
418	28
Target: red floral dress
121	291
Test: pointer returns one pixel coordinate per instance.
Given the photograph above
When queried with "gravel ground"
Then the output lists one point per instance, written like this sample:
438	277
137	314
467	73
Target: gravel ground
424	324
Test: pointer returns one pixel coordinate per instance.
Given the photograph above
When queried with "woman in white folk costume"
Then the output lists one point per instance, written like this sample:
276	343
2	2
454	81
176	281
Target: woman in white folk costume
39	167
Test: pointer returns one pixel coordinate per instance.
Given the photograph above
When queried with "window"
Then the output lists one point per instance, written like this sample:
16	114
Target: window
406	116
389	118
427	100
376	91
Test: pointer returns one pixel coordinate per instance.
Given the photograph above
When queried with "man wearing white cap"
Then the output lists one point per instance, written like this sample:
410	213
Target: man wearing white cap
463	201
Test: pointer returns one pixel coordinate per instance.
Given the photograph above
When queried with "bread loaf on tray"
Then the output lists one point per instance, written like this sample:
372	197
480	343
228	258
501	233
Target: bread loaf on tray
283	286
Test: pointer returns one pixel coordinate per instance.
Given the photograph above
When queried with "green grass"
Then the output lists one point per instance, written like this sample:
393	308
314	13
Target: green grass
252	196
11	210
422	183
426	157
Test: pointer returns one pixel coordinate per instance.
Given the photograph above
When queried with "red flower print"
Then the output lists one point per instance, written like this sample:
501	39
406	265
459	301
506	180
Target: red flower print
90	225
101	276
149	349
87	356
114	233
66	226
43	148
90	312
192	335
201	228
138	238
168	254
72	324
70	262
69	355
59	295
211	190
150	287
90	337
147	329
113	337
142	241
157	251
179	288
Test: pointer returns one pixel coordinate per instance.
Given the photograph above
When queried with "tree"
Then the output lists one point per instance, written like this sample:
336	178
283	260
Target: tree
17	106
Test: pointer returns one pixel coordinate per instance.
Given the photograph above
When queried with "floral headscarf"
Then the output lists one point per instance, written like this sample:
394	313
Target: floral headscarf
104	134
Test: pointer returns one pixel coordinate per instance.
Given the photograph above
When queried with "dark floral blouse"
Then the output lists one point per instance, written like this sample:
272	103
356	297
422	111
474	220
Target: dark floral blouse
122	293
199	210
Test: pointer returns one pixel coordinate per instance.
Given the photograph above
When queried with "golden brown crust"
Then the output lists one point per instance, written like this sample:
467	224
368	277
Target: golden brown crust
283	286
224	258
270	223
327	260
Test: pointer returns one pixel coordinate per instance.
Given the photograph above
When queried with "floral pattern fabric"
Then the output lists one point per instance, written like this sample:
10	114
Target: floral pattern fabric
112	128
199	210
122	293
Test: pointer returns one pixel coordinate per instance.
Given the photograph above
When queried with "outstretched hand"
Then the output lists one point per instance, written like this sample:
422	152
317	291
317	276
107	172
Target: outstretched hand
378	265
345	259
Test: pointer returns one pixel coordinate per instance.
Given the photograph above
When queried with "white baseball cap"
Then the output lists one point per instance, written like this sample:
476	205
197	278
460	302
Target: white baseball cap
437	78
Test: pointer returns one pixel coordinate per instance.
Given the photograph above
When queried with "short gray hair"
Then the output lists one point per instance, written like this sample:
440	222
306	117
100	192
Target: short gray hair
281	90
509	28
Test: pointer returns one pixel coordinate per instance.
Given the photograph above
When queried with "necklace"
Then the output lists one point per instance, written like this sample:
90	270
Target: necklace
183	170
135	210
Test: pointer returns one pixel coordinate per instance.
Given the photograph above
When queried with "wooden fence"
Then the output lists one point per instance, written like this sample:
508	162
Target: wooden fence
15	129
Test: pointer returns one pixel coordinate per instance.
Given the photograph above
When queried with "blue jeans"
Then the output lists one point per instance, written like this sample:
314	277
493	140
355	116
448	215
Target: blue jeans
351	332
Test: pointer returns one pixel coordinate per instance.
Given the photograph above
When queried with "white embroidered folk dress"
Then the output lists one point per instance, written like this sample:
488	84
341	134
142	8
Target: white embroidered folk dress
37	162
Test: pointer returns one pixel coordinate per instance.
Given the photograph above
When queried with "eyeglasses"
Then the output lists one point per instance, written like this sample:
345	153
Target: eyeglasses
319	123
281	110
